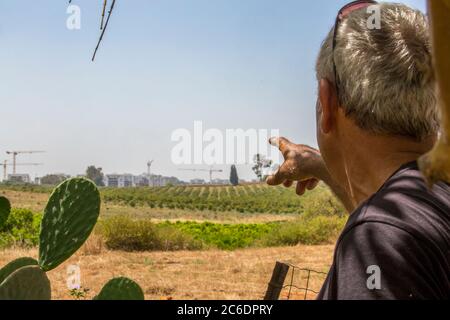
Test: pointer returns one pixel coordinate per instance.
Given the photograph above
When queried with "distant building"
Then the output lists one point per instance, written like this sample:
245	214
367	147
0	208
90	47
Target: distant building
53	179
155	181
128	180
112	180
119	180
220	182
161	181
141	181
19	178
170	181
198	181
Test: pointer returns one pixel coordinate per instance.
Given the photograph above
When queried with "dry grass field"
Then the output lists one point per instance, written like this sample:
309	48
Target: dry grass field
209	275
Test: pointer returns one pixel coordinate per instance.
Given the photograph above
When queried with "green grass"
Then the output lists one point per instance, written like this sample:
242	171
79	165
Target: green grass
224	236
123	233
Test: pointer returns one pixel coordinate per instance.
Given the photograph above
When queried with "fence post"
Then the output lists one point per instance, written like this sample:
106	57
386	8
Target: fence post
276	282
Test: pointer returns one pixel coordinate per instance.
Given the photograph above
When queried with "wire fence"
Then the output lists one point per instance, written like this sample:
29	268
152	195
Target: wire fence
290	282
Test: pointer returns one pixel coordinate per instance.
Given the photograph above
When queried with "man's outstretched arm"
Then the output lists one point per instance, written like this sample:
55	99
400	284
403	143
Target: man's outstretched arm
305	165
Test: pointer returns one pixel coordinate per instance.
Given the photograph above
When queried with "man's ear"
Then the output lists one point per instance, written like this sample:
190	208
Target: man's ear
329	103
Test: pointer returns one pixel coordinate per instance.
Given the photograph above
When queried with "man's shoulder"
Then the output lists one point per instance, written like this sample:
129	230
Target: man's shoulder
406	203
403	230
410	268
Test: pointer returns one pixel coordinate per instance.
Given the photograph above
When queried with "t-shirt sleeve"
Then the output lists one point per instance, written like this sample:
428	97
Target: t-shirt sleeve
380	261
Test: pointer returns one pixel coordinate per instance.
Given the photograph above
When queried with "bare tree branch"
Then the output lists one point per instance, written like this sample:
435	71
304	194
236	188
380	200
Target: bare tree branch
105	2
104	29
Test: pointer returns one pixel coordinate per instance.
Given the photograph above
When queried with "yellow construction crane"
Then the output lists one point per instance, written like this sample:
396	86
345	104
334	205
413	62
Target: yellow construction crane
6	164
16	153
210	170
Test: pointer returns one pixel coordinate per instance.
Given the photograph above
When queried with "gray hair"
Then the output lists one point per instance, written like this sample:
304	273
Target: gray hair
386	79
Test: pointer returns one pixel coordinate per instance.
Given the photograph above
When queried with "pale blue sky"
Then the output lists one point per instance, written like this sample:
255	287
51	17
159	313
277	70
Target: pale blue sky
163	64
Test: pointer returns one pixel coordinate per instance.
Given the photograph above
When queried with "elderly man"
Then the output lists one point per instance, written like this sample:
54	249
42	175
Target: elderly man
376	116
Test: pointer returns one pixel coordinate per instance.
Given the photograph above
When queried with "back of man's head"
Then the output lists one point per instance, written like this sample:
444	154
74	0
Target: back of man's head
386	80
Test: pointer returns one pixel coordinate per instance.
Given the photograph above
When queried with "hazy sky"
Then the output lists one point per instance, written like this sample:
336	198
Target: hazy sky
163	64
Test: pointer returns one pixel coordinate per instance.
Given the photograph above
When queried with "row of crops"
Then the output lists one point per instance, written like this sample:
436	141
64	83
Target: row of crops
245	199
256	198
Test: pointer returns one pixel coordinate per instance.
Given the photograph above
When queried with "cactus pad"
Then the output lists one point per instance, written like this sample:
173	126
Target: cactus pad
121	289
26	283
5	209
15	265
69	217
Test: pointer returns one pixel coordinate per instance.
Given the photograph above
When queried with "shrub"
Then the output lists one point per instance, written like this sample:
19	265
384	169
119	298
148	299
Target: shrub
21	228
124	233
173	239
313	231
322	203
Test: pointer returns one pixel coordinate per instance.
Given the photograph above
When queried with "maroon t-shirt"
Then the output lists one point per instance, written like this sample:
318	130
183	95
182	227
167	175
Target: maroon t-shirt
396	245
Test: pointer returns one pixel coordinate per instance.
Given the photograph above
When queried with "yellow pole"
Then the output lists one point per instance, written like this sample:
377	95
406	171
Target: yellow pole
436	164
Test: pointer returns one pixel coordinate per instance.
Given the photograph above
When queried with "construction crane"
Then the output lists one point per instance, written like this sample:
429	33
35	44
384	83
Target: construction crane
210	170
6	164
16	153
149	166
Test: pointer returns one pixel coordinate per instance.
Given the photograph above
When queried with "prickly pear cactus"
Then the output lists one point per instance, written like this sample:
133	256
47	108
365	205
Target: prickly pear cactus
15	265
69	217
5	209
121	289
26	283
